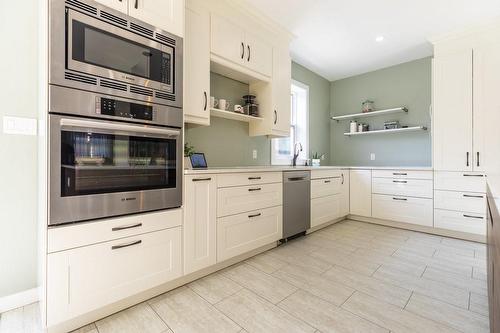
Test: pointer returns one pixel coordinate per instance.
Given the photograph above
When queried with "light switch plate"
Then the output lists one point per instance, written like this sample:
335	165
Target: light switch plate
20	126
372	156
254	154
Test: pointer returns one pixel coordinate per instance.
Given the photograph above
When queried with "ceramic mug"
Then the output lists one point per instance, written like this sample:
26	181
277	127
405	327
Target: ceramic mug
238	108
223	104
213	102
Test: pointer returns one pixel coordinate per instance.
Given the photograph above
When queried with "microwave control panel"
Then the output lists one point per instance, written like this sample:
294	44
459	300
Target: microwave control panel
123	109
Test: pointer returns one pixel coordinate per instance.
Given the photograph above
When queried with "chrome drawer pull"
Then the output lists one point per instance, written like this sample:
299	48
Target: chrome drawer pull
254	189
254	215
400	199
468	175
327	181
400	181
400	174
127	227
473	196
254	178
473	217
202	179
116	247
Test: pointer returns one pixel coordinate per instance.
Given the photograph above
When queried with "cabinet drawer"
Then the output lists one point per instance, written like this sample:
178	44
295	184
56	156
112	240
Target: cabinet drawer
317	174
82	234
405	187
242	179
242	233
460	181
87	278
235	200
325	187
411	174
460	201
459	221
325	209
402	209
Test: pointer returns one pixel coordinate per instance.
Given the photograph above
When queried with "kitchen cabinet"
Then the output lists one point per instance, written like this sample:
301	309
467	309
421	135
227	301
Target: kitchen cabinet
344	193
87	278
325	187
233	200
406	187
167	15
120	5
197	65
281	91
259	54
493	262
360	197
472	223
325	209
403	209
200	218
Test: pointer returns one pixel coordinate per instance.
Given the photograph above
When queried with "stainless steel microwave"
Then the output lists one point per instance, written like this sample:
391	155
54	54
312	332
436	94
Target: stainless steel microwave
96	48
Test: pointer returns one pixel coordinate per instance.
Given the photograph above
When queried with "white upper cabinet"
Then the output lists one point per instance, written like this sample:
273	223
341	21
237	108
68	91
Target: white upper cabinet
197	65
282	80
120	5
167	15
228	40
452	111
259	54
486	108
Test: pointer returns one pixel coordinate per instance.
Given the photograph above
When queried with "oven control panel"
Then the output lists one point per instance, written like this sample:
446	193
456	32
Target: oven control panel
123	109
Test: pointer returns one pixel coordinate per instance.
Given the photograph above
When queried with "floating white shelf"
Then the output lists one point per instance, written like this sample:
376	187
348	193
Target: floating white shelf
233	115
370	114
396	130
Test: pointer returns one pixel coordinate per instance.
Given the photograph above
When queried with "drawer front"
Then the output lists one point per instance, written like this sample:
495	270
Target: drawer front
460	201
459	221
243	179
83	234
325	187
242	233
402	174
460	181
405	187
402	209
235	200
317	174
88	278
325	209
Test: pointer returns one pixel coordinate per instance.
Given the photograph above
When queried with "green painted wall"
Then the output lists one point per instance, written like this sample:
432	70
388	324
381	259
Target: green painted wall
407	84
226	142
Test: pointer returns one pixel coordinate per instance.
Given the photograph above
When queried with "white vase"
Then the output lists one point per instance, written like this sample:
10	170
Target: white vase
316	162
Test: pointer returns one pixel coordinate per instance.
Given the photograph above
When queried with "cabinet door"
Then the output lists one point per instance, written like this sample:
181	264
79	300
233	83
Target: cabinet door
167	15
452	112
486	108
344	193
197	66
120	5
325	209
403	209
361	192
200	223
234	200
228	40
259	54
90	277
281	85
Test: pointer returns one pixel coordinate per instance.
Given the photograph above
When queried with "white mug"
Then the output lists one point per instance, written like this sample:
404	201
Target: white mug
238	108
224	105
213	102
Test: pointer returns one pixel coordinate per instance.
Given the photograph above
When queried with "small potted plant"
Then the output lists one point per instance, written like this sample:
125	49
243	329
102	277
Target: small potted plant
188	151
316	159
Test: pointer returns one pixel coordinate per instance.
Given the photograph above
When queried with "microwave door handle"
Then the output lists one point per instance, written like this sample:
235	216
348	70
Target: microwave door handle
65	122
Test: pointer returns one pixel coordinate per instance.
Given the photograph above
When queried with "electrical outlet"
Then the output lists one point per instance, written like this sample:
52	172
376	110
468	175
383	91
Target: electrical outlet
372	156
254	154
21	126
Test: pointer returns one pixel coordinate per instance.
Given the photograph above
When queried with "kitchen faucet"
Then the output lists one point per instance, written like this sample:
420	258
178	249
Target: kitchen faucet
296	153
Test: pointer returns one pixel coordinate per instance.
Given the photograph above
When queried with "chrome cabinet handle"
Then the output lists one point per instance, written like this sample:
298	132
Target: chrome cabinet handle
242	50
275	117
254	189
342	179
400	181
400	174
477	160
202	179
469	175
400	199
327	181
473	217
473	196
136	4
254	215
254	178
116	247
206	101
127	227
248	48
467	161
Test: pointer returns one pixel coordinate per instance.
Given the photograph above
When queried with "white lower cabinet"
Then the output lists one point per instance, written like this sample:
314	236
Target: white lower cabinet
459	221
460	181
344	193
460	201
361	192
405	187
325	209
402	209
234	200
245	232
90	277
325	187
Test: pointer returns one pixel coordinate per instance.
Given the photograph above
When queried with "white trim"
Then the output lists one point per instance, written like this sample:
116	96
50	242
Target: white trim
18	300
308	110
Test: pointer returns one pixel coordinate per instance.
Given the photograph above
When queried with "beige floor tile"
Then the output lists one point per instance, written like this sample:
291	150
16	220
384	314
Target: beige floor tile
265	285
295	255
22	320
480	253
388	292
389	261
315	284
457	280
215	287
186	312
462	244
460	319
342	259
479	304
436	289
255	314
90	328
479	274
463	260
325	317
325	242
392	317
139	318
266	262
442	247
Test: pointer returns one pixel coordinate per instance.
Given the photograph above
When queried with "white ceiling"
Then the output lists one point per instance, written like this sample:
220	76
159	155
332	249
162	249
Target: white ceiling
336	38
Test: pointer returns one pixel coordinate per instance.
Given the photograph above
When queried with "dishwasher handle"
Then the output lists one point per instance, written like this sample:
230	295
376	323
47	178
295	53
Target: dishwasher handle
296	179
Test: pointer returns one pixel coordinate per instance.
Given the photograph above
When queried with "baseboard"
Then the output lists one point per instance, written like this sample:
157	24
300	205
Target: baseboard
18	300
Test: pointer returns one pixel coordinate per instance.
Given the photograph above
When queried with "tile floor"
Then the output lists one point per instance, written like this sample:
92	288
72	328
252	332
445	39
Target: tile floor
349	277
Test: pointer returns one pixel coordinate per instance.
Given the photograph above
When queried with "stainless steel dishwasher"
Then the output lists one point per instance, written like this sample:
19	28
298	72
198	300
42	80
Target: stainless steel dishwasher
296	203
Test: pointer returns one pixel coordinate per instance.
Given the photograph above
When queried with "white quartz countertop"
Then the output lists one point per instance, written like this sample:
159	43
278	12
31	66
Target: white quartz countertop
290	168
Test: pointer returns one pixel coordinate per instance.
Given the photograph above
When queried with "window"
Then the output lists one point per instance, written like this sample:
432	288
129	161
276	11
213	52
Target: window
282	149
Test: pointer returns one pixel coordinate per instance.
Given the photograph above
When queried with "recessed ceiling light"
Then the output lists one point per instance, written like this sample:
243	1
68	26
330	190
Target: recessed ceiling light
379	38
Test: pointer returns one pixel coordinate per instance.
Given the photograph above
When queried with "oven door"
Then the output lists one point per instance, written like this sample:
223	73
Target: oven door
102	168
99	48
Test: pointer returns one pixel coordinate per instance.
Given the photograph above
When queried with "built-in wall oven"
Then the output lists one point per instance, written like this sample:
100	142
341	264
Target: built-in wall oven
124	157
93	47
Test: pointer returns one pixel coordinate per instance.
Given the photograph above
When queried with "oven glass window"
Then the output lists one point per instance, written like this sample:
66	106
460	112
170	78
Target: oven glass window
94	163
94	46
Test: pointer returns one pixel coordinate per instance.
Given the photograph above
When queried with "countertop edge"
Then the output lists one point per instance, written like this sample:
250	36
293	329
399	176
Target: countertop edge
298	168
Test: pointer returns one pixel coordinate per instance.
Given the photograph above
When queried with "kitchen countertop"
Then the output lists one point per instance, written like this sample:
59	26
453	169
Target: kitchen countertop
290	168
